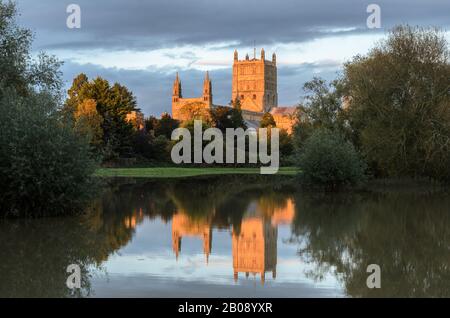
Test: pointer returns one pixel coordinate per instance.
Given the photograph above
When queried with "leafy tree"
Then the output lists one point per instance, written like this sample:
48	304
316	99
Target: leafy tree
323	103
88	122
399	103
150	123
165	126
195	110
286	143
45	166
226	117
327	160
153	148
322	107
18	70
113	103
267	121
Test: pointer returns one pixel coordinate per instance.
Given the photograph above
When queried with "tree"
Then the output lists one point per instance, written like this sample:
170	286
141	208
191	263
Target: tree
223	117
399	103
323	103
329	161
150	123
113	103
322	107
267	121
45	166
286	144
165	126
195	110
89	123
18	70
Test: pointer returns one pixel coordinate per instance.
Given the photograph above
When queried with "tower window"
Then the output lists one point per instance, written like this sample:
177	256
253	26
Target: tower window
242	96
254	96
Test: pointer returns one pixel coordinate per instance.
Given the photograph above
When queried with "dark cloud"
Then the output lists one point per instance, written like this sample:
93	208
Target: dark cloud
142	25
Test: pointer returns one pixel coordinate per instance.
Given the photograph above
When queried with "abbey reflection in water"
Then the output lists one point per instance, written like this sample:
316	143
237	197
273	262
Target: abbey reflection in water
254	239
406	232
254	243
254	228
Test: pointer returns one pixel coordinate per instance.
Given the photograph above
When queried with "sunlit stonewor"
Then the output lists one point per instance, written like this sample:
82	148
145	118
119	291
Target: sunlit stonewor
183	225
137	119
254	242
136	218
255	248
254	84
284	213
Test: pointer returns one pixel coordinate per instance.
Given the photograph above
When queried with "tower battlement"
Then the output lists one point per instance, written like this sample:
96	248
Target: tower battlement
255	82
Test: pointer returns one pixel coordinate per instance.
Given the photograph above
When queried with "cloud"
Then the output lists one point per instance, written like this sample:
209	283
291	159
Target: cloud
148	25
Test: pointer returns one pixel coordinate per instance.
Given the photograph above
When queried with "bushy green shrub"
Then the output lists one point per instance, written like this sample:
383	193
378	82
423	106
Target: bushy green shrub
45	167
328	160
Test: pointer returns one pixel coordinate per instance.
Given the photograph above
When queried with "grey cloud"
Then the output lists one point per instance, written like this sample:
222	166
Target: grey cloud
143	25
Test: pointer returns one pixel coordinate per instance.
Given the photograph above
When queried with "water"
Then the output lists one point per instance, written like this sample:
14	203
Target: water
233	237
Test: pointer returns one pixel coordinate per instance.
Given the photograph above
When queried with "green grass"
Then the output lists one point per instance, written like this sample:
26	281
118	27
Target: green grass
177	172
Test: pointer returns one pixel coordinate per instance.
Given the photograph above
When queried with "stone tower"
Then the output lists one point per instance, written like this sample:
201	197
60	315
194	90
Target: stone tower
207	89
255	82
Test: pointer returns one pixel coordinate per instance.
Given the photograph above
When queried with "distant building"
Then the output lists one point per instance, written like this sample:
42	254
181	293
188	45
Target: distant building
254	84
285	117
137	119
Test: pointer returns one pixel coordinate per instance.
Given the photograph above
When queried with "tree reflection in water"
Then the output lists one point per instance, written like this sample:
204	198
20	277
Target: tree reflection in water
407	234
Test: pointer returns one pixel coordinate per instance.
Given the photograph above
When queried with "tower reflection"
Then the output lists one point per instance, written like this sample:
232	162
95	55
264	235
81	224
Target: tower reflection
255	248
254	239
183	225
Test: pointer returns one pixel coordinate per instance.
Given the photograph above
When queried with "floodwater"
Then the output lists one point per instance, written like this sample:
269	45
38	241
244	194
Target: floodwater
231	236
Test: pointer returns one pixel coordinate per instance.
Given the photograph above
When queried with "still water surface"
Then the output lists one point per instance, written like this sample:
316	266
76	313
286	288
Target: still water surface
233	237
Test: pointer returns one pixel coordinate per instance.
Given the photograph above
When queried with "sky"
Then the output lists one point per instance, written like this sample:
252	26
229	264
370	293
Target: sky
143	43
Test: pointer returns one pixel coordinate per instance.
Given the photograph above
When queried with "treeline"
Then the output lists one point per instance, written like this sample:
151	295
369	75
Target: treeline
387	115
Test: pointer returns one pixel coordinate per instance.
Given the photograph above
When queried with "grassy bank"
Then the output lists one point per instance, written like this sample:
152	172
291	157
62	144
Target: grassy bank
177	172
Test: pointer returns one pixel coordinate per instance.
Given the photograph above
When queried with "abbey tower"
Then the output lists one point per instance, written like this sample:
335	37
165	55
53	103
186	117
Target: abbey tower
255	83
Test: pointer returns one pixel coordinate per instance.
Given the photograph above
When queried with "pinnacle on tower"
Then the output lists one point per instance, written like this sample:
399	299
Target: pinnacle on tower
274	58
236	56
207	84
207	88
263	54
177	87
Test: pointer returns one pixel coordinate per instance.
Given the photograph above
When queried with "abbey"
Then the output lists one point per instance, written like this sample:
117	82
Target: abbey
254	84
